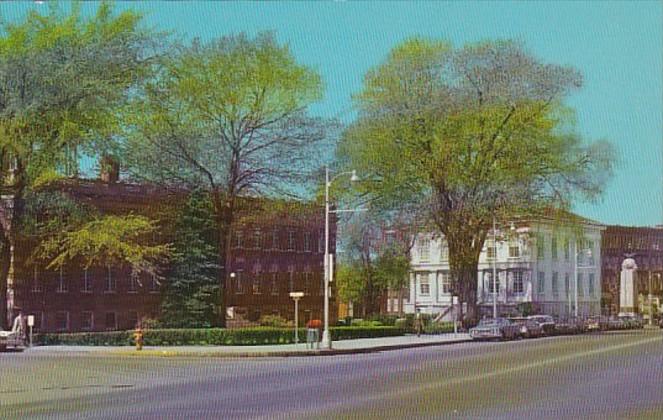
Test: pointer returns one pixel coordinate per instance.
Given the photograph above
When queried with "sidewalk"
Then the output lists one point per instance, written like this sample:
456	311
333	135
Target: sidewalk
362	345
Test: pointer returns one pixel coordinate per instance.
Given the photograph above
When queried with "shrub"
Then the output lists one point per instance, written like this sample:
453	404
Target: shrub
365	323
275	321
209	336
439	328
384	319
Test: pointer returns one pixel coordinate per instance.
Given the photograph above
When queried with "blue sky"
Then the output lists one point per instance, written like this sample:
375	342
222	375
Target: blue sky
618	46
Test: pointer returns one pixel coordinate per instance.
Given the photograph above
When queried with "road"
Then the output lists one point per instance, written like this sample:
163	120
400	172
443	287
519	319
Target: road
610	375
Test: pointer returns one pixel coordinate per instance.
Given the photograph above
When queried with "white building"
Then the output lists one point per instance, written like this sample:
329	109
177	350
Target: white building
535	263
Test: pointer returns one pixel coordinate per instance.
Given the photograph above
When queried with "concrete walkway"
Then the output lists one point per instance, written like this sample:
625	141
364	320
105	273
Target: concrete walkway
362	345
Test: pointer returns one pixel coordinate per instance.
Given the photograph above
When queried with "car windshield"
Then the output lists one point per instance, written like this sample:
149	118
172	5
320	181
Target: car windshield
489	322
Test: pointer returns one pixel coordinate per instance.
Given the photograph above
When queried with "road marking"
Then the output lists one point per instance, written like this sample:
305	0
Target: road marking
414	389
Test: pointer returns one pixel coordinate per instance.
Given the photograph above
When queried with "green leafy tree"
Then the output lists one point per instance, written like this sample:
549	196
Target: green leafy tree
350	282
108	240
230	117
471	133
63	78
191	289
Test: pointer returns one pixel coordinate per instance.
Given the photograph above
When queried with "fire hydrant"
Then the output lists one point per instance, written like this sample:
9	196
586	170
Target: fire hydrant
138	338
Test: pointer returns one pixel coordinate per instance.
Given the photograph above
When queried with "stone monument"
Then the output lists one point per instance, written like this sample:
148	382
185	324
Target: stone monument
627	287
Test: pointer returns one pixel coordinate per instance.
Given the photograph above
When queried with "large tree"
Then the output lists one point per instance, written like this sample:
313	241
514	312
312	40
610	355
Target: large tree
229	116
469	134
63	78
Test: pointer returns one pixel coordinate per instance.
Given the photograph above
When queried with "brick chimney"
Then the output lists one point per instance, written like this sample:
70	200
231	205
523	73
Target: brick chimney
109	169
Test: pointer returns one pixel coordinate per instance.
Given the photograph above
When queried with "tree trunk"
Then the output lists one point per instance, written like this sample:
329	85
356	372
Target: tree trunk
224	210
464	261
5	260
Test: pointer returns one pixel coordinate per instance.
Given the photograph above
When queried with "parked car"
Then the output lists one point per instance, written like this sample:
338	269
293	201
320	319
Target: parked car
632	321
495	328
616	323
569	326
593	324
528	328
660	322
579	325
546	322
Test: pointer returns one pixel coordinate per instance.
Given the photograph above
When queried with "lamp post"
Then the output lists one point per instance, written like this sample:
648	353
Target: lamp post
494	269
326	338
296	296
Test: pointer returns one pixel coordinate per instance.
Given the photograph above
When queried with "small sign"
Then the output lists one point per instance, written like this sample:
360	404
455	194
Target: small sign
296	295
31	320
230	312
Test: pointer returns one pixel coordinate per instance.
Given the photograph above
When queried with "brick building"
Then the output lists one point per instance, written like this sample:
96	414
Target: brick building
645	245
270	256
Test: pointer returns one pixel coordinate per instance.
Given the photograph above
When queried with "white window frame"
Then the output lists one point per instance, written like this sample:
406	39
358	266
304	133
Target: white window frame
514	245
91	318
423	249
68	324
444	251
111	282
291	240
541	283
87	282
275	283
444	282
63	287
518	278
554	283
581	287
423	275
114	328
591	290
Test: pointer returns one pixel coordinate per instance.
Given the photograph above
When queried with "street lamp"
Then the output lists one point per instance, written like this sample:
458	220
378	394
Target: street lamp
577	252
326	338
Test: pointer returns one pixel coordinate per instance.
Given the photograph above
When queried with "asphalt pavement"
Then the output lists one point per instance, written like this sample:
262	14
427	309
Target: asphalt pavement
609	375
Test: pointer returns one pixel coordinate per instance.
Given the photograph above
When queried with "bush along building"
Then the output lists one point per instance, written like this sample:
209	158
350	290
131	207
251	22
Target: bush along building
277	248
536	266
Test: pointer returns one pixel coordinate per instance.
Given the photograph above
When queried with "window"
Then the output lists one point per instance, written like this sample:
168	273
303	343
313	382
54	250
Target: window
132	319
86	282
307	241
62	321
514	250
518	286
291	240
321	241
555	286
567	284
63	287
490	286
39	321
291	278
541	283
424	284
553	247
590	257
238	239
87	320
540	246
239	284
133	283
423	249
255	285
590	284
581	288
307	281
257	239
275	282
444	251
567	249
111	321
111	283
491	252
445	282
154	284
36	283
275	239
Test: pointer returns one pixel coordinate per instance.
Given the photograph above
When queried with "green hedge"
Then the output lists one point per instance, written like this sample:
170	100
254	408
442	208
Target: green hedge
209	336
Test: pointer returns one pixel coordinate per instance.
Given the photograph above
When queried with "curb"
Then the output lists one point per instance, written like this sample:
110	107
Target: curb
299	353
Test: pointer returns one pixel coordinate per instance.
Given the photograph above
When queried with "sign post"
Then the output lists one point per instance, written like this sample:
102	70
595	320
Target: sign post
296	296
31	323
454	302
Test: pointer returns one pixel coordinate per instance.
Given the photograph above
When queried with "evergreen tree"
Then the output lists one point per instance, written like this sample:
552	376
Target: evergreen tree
191	290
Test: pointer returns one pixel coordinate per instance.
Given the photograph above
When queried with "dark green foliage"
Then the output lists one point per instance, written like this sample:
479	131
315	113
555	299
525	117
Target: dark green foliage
191	290
208	336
